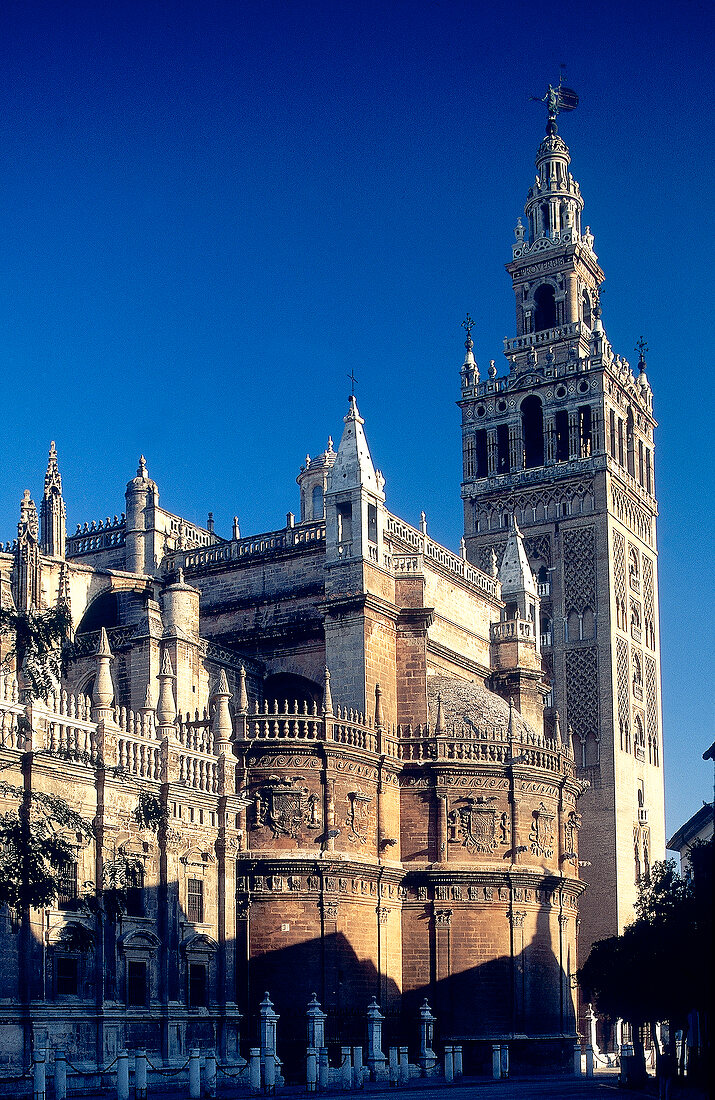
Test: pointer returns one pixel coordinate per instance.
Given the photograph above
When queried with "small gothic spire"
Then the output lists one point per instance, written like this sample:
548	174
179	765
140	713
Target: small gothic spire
378	707
327	695
103	690
166	705
222	726
53	479
439	726
242	693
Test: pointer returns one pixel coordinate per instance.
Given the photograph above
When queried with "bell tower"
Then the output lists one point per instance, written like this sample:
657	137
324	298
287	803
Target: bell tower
564	443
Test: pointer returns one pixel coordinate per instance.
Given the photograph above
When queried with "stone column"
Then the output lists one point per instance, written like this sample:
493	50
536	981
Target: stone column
491	450
574	442
516	446
549	439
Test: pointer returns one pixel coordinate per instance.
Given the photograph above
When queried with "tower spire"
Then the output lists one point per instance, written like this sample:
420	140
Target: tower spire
53	516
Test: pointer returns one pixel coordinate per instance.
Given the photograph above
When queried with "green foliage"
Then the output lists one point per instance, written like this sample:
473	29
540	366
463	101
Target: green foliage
41	645
34	846
150	813
654	971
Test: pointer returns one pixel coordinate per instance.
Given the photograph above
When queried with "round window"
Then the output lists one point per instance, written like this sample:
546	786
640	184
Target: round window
561	391
583	386
501	406
481	411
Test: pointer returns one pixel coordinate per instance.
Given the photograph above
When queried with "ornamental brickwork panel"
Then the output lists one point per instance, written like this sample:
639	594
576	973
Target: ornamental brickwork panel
648	603
582	691
623	689
579	553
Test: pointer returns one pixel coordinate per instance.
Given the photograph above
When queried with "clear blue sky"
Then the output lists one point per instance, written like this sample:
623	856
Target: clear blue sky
212	212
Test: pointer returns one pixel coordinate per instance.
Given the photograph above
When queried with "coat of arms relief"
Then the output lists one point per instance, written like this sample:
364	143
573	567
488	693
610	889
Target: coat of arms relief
286	807
477	825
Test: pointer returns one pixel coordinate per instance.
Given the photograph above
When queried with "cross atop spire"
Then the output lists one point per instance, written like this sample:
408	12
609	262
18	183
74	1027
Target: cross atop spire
468	325
641	348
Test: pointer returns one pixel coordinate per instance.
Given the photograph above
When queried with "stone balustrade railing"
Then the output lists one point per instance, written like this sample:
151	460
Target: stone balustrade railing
139	757
512	629
62	725
255	545
420	544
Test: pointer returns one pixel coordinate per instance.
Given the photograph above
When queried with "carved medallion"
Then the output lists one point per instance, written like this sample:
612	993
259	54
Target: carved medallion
542	832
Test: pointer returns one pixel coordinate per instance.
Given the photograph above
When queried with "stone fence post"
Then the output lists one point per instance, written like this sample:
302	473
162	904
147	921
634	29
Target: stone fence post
376	1060
60	1075
316	1024
427	1058
38	1074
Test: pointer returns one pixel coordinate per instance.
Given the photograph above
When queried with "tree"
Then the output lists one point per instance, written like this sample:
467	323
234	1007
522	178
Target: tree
653	972
41	649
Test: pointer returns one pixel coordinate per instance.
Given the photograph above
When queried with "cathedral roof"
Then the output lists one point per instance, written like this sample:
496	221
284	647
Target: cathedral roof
472	704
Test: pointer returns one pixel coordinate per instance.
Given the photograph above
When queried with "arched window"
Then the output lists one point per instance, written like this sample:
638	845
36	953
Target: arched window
633	568
545	303
588	624
317	502
586	308
532	426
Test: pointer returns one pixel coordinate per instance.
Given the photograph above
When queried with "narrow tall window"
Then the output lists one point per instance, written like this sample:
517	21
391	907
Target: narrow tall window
136	982
345	523
372	522
469	457
585	428
640	461
66	884
195	900
545	303
532	422
620	442
561	430
502	449
135	890
197	985
612	423
67	976
317	501
480	447
648	471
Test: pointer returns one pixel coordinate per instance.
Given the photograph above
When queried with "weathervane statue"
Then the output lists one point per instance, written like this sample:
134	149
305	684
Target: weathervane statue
557	99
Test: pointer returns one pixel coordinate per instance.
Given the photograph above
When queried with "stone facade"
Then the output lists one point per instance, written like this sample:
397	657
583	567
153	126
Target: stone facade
565	443
343	721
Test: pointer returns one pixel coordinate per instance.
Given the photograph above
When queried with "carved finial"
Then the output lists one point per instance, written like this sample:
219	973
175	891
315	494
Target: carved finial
242	693
103	690
557	727
439	725
492	369
423	523
236	528
494	569
462	549
330	444
378	707
148	705
141	469
327	696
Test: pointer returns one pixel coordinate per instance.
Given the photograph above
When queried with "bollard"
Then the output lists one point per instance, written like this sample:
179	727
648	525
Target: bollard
504	1060
346	1069
269	1072
392	1070
311	1070
428	1058
323	1069
448	1065
577	1059
496	1061
38	1075
195	1074
123	1075
458	1071
60	1075
358	1076
210	1075
254	1069
589	1060
140	1075
404	1066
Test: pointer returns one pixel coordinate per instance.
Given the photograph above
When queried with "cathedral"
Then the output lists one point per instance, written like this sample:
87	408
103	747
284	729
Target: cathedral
381	765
